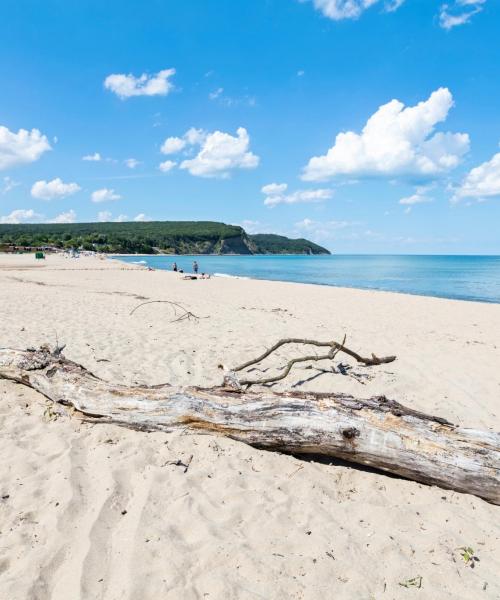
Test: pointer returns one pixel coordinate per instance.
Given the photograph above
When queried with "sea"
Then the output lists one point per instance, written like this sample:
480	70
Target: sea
458	277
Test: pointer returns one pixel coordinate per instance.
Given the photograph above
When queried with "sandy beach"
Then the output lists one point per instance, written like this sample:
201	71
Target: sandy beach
101	512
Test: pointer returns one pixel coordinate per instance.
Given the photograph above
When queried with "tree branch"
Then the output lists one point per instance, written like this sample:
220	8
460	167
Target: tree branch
335	348
186	314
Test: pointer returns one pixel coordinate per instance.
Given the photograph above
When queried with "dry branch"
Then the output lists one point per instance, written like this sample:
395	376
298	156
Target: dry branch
377	432
335	348
185	314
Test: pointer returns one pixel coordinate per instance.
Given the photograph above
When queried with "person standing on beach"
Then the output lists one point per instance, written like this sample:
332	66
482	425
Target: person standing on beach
195	267
174	267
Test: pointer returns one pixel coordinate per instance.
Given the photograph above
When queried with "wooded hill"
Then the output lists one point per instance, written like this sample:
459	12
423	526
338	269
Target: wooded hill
154	237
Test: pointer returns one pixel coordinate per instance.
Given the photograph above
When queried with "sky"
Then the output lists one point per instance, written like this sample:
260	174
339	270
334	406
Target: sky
368	126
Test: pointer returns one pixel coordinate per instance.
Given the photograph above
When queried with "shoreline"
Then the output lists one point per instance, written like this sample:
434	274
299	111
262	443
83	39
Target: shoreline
327	285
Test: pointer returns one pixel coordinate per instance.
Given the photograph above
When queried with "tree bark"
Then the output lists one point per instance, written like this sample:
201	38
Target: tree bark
377	432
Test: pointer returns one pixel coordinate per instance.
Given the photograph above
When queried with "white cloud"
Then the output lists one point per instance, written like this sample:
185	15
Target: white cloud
230	101
195	136
132	163
351	9
251	226
482	182
103	216
8	185
274	189
21	147
172	145
414	199
459	12
310	224
418	197
220	153
192	137
396	140
96	157
21	215
48	190
126	86
167	165
393	5
104	195
65	217
215	94
275	194
141	217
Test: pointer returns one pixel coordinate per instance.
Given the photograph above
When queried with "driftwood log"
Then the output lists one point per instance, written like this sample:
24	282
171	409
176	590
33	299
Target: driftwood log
377	432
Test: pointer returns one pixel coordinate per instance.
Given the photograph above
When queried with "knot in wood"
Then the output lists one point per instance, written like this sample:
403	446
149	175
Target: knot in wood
350	433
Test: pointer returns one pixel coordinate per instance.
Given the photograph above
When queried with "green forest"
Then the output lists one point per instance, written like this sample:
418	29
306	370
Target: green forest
153	237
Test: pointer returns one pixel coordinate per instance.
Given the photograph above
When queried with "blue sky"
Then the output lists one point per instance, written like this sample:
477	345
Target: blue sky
365	125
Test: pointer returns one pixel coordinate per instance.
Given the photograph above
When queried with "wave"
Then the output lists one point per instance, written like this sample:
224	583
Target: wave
229	276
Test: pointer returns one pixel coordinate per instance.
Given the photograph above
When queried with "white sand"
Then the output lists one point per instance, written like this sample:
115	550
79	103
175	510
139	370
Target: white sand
241	523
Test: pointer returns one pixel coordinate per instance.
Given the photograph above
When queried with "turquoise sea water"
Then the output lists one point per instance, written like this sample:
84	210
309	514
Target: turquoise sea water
459	277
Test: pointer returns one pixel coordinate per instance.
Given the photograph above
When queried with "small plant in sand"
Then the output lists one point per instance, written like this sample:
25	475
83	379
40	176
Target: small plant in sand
48	413
469	558
413	582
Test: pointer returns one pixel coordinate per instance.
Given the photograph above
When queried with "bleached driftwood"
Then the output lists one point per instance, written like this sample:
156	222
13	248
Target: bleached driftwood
377	432
335	348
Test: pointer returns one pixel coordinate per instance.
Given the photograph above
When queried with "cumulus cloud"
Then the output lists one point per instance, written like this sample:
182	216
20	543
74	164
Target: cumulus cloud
104	195
220	153
132	163
49	190
21	215
395	141
21	147
274	189
310	224
459	12
65	217
414	199
195	136
141	217
482	182
252	226
96	157
167	165
276	194
172	145
419	197
351	9
105	216
126	86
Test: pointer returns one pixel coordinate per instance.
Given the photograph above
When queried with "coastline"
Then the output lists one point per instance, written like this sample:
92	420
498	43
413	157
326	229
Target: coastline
428	294
130	523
